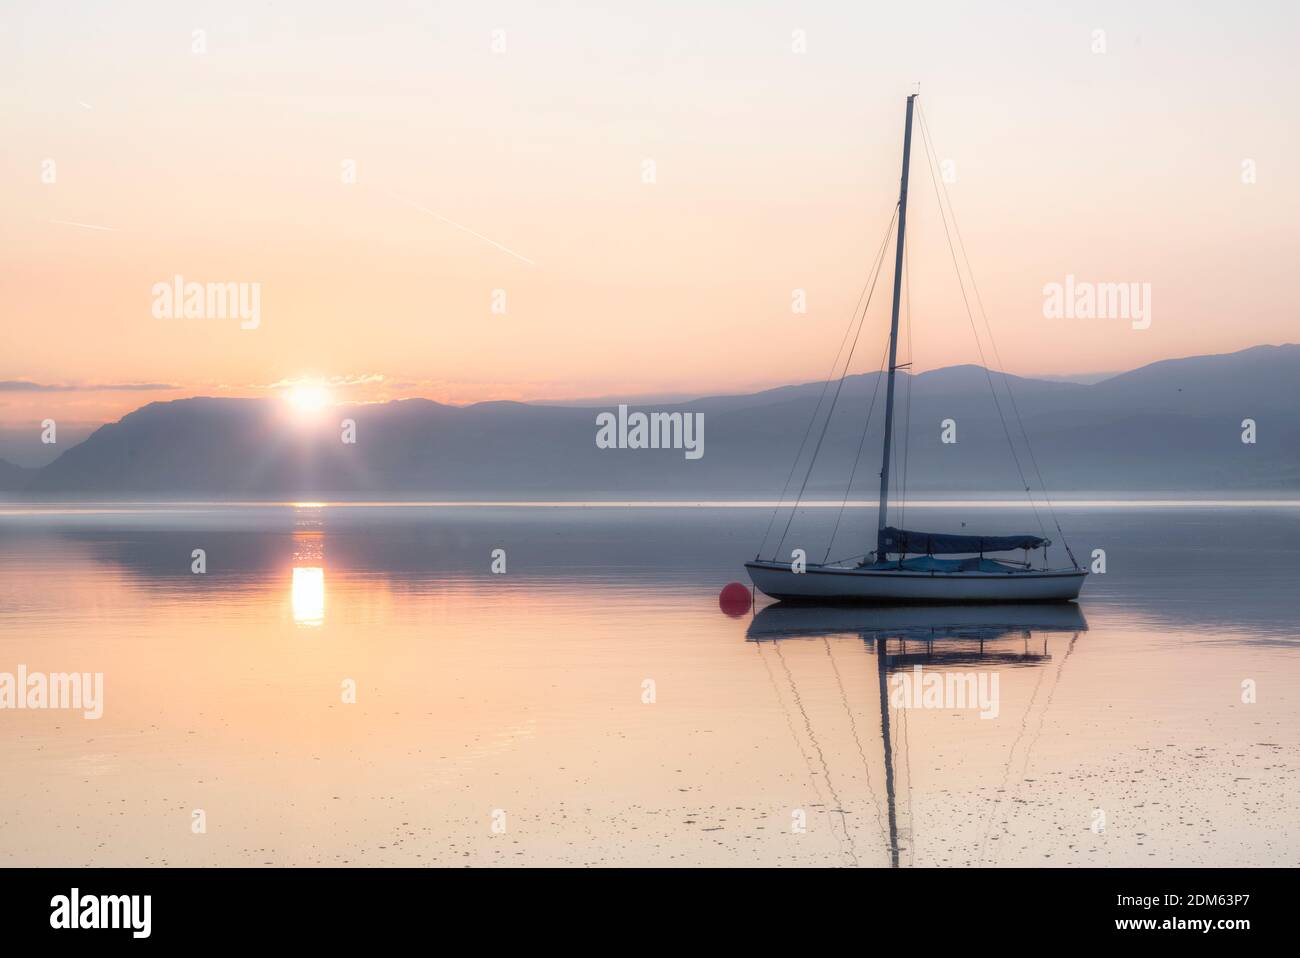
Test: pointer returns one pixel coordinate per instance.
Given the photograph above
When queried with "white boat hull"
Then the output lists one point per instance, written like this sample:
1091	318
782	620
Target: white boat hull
841	584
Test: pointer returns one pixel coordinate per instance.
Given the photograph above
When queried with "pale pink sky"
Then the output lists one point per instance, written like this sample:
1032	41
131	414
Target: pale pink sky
522	171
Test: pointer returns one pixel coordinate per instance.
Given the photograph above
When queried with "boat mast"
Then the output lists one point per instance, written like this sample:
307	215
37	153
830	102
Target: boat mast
893	334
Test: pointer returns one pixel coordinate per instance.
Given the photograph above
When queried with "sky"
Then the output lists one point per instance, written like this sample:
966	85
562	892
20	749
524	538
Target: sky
502	156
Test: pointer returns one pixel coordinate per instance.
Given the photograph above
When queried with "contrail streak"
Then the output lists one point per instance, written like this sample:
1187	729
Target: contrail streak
459	226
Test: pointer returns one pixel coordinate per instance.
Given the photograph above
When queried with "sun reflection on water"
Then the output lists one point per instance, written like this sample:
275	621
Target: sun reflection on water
309	595
308	590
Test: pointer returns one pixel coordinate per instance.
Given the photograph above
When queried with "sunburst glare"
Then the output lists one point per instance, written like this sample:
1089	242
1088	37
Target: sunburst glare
308	399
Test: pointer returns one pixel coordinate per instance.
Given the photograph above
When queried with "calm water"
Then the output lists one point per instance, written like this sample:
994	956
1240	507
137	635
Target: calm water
502	719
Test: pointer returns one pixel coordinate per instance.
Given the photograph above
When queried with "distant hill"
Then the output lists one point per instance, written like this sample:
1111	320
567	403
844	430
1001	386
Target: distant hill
1170	426
14	477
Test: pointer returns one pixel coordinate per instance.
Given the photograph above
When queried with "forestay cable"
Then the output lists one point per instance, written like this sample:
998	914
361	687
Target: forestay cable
817	409
875	276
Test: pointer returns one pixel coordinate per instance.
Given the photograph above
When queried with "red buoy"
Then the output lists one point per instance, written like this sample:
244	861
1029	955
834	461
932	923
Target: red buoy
735	599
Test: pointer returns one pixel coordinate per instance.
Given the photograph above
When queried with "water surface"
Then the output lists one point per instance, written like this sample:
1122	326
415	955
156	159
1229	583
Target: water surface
593	705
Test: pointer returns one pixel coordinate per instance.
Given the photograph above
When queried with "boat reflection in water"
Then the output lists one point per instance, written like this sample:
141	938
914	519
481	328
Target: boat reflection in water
905	637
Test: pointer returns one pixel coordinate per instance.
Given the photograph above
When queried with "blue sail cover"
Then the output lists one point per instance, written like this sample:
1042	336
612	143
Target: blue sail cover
939	543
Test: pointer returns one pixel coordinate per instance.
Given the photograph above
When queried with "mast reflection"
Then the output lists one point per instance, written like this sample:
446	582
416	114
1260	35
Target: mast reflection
904	637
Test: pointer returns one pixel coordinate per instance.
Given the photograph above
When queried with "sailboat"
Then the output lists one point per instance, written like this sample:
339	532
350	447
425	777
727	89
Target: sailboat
905	566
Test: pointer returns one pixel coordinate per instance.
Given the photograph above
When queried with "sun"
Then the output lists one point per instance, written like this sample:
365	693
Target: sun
308	399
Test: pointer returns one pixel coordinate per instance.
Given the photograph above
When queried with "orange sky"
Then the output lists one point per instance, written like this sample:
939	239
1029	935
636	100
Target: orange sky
522	171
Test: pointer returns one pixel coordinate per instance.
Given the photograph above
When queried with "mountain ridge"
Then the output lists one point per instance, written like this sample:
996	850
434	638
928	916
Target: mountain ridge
1167	426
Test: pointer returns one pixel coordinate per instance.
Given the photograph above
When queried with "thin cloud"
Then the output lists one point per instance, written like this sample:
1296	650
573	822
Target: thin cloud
25	386
368	379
